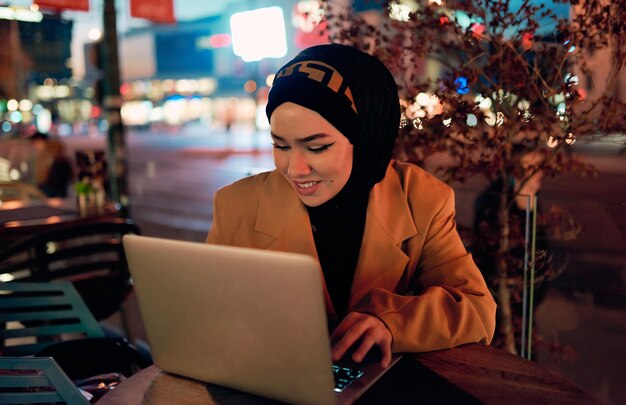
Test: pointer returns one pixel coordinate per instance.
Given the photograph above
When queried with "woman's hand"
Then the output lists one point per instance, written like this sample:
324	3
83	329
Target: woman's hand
369	330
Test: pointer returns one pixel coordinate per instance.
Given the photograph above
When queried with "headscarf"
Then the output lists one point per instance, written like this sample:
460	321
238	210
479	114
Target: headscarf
352	90
357	94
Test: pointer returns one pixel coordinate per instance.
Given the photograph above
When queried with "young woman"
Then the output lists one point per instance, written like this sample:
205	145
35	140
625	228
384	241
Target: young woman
396	273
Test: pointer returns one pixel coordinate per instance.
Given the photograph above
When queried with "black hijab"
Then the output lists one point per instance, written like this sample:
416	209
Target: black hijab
357	94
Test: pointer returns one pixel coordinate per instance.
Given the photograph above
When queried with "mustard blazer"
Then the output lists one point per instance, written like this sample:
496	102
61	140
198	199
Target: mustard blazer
413	271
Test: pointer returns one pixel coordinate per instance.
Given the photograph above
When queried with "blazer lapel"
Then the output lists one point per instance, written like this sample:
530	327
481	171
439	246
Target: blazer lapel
282	216
388	224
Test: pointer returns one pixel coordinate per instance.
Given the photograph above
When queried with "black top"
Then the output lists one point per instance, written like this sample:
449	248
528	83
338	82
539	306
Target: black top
338	227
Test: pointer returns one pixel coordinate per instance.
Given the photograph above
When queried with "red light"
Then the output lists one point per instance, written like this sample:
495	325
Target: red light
527	40
219	40
95	111
125	89
478	30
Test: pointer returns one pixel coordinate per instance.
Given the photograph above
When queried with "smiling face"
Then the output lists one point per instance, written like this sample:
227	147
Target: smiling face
314	157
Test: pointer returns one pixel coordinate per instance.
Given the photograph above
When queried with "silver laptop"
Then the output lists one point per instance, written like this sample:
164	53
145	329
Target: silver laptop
247	319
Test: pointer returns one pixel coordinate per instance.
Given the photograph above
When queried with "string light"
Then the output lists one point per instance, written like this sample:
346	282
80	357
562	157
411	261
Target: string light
499	118
461	85
527	41
490	118
422	99
478	30
483	103
571	79
400	12
552	141
403	121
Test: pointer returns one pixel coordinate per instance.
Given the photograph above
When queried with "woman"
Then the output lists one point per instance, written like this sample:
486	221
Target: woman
396	273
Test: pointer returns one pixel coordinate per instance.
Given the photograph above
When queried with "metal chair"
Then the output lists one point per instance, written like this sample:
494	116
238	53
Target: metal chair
90	254
36	380
36	315
51	320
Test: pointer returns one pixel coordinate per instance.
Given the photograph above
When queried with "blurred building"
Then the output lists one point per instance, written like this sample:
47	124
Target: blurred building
34	68
172	74
189	71
33	52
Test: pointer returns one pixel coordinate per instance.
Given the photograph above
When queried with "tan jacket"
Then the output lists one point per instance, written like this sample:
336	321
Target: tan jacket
413	271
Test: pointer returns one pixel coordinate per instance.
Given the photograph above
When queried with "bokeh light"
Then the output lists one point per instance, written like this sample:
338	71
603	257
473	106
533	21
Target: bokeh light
400	11
26	105
461	85
94	34
12	105
250	86
552	141
422	99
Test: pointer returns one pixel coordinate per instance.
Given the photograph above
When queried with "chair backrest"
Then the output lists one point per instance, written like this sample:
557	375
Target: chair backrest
36	380
36	315
90	254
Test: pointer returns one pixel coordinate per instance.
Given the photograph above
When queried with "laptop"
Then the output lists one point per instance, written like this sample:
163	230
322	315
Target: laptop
247	319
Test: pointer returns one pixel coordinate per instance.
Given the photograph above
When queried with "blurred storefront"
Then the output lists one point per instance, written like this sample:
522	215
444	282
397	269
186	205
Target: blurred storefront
174	74
34	69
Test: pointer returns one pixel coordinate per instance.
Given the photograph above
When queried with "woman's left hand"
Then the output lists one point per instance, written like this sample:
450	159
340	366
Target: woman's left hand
369	330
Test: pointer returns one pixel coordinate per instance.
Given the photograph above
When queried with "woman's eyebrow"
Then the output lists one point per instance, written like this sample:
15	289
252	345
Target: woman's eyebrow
301	140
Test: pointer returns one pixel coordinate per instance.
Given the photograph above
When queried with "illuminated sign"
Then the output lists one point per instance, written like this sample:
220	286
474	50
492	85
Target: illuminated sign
259	34
52	92
60	5
213	41
20	14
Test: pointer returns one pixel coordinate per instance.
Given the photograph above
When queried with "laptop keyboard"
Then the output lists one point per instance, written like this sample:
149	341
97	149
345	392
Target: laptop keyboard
344	376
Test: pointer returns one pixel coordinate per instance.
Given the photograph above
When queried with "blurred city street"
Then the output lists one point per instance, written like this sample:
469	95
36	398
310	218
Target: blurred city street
582	319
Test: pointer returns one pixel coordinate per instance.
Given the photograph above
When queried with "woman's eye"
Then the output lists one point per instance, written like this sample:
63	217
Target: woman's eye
280	147
320	149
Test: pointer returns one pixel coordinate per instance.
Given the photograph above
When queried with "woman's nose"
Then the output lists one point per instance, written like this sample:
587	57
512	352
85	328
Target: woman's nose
298	166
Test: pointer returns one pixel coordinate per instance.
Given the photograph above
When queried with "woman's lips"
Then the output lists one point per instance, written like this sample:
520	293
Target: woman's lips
306	187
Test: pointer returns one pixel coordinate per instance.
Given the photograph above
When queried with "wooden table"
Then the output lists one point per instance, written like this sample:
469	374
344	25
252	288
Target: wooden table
22	218
465	375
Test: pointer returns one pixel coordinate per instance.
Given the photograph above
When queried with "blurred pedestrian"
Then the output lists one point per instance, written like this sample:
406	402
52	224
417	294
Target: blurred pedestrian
53	169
